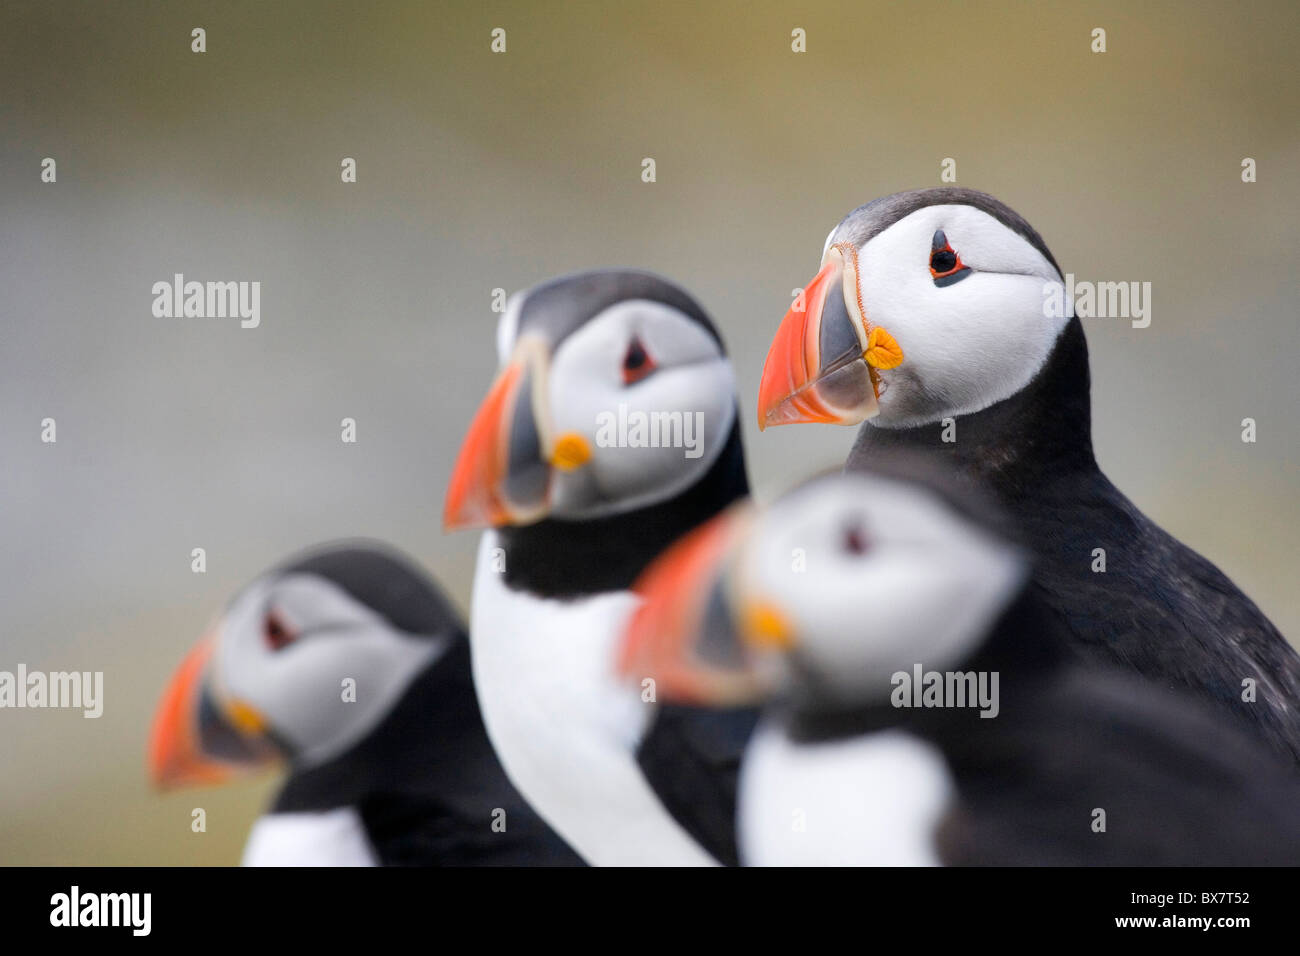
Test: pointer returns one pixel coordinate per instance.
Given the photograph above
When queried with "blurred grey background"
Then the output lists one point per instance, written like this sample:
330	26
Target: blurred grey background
478	171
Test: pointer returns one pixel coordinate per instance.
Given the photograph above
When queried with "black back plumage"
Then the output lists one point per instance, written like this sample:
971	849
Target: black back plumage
1178	785
1159	609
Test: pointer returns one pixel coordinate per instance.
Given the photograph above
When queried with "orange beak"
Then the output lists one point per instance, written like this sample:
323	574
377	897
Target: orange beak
474	494
509	458
175	757
682	635
822	364
186	717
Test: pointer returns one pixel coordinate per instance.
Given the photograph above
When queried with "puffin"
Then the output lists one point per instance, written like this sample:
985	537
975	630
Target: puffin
348	664
921	704
611	429
932	321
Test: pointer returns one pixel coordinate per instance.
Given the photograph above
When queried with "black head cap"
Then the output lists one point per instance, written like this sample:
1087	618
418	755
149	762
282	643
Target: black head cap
873	218
940	478
558	307
383	579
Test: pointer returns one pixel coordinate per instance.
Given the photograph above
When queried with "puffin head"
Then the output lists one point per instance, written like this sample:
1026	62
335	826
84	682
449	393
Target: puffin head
928	304
267	682
821	598
614	393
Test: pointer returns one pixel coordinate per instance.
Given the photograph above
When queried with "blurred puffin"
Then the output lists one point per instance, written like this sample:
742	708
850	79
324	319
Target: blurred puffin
930	309
610	431
834	602
399	772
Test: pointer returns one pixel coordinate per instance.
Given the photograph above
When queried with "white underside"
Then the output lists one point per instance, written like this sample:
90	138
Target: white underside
873	800
565	727
330	838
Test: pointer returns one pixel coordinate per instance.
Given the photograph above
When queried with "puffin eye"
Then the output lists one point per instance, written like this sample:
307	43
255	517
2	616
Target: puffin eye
276	632
854	540
637	363
945	265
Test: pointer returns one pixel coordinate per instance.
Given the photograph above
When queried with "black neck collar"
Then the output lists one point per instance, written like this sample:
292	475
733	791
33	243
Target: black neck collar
1011	447
565	559
1023	646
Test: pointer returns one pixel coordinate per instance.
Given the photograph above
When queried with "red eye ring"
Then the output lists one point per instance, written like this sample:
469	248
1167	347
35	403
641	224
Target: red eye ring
945	249
637	363
277	633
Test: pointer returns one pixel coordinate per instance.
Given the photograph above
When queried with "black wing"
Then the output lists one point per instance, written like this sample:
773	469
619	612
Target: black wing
691	757
1178	785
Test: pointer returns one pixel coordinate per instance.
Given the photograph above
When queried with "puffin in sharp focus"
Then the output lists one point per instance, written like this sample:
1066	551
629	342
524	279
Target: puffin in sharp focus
836	606
611	430
349	664
930	321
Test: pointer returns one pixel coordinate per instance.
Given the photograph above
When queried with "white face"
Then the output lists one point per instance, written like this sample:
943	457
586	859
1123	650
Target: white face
966	345
508	327
890	577
298	688
682	395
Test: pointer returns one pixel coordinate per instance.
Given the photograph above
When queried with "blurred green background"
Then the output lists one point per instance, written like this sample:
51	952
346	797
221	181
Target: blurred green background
478	171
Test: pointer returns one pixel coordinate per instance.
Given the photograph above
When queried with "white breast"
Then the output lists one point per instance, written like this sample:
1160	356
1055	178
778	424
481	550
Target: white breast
331	838
566	729
873	800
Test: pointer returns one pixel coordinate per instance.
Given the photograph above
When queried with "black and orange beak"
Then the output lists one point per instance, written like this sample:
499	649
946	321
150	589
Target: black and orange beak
198	741
683	636
507	461
823	365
